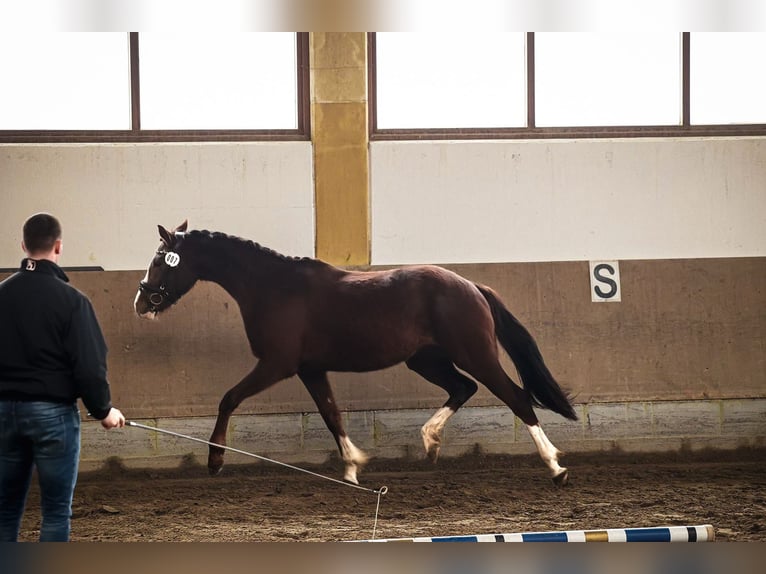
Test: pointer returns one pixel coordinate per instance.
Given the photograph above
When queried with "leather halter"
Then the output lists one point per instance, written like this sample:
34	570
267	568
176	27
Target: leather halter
156	295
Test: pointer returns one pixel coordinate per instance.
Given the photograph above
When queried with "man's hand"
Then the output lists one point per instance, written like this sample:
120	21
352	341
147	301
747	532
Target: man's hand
115	419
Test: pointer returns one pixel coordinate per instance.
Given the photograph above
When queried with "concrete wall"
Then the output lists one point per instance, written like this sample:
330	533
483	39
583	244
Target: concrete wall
395	434
678	363
678	334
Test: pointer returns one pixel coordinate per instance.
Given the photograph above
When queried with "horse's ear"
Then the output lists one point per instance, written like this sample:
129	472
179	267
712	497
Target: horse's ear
183	226
165	235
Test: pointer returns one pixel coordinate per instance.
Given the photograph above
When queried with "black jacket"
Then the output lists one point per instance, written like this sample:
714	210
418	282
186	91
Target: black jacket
51	345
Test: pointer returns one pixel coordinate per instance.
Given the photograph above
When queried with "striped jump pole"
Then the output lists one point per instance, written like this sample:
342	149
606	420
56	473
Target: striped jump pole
704	533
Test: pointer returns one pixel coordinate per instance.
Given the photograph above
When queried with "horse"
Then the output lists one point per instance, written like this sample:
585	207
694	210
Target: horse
305	317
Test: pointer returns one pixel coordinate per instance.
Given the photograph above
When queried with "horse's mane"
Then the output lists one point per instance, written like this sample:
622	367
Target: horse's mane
203	236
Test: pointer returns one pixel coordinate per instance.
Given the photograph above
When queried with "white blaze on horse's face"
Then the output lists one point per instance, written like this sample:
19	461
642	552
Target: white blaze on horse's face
151	315
158	290
165	281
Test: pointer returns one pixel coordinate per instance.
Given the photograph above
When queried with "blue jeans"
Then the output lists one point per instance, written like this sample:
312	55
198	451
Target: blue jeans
45	436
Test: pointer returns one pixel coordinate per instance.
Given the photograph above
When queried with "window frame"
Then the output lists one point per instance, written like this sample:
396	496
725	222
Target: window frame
137	135
684	129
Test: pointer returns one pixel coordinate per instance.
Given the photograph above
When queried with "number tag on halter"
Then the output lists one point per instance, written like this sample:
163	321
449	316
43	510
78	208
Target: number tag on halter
172	259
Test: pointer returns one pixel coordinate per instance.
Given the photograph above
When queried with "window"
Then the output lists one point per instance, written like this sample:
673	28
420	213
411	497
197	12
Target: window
218	81
553	85
607	79
728	85
450	80
64	81
153	86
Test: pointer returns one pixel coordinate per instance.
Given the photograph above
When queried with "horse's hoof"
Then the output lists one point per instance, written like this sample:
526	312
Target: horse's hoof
215	460
214	465
433	447
562	478
350	475
214	471
432	443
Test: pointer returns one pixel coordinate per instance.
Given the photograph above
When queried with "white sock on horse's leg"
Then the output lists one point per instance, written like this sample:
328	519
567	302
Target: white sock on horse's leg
431	431
354	458
548	452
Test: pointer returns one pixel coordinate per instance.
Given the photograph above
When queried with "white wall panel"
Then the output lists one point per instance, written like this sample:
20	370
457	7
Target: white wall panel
497	201
110	197
448	202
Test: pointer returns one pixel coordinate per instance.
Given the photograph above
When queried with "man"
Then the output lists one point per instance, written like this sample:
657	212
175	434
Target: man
52	352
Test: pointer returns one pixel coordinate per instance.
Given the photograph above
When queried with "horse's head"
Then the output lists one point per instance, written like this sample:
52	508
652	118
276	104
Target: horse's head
169	275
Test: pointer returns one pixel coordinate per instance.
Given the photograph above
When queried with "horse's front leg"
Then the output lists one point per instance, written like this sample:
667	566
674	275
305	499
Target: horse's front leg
261	377
319	388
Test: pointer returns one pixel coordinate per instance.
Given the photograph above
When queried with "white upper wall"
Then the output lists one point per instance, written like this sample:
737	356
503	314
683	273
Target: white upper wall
432	202
110	197
551	200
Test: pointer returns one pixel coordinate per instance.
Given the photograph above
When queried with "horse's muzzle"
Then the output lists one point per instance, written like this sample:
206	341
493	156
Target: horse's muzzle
154	297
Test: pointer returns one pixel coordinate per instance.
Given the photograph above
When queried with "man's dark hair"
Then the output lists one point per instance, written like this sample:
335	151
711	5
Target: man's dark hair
41	232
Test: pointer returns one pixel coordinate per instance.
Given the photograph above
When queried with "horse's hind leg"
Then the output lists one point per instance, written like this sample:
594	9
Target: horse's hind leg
549	453
491	374
434	365
319	388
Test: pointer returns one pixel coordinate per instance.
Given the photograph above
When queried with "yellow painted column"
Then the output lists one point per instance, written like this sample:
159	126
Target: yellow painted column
338	63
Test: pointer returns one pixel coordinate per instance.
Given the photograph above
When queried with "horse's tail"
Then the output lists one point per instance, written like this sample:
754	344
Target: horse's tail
538	381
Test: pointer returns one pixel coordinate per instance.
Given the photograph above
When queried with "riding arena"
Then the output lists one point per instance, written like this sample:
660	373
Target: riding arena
348	332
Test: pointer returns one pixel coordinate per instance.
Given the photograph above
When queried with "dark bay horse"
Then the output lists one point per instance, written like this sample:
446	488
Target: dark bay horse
305	317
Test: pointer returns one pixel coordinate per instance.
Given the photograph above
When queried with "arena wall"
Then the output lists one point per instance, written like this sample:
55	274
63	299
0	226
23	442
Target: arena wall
678	363
677	334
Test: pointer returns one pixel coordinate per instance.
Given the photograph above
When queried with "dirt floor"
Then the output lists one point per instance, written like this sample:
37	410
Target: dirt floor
472	495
